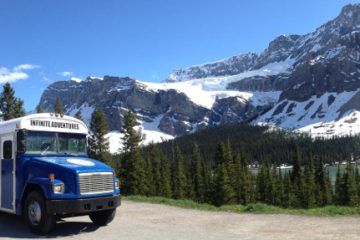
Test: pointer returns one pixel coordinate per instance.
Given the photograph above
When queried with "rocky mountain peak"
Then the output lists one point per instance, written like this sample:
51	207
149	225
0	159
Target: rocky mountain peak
350	12
283	42
229	66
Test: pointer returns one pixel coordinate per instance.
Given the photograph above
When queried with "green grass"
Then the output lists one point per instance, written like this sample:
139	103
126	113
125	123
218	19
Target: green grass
257	208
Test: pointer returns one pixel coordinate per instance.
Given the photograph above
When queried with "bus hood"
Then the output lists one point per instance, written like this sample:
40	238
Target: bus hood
77	164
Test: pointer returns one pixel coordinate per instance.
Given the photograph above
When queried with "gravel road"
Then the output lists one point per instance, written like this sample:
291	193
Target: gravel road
160	222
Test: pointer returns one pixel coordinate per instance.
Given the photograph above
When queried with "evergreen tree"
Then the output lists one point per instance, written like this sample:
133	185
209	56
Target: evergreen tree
134	183
297	180
323	185
264	184
278	187
149	178
197	173
58	106
19	108
133	165
224	175
338	198
288	196
98	143
131	139
350	190
165	177
178	175
78	116
39	109
309	188
154	157
223	191
357	179
10	106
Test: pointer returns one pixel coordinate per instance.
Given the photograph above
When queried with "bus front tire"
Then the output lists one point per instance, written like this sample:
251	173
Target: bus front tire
102	218
36	217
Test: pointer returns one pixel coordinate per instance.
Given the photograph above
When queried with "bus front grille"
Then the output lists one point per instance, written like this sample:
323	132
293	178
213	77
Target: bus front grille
96	183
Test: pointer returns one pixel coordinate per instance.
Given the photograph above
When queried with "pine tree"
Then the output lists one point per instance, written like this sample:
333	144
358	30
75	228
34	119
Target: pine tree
10	106
338	198
165	177
133	165
223	176
323	185
154	157
350	190
288	196
39	109
131	139
223	191
98	143
58	107
357	179
297	180
149	178
277	186
78	116
309	188
134	184
179	180
19	108
197	173
247	180
264	184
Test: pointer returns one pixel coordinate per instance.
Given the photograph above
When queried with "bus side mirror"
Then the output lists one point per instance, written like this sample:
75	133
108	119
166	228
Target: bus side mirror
21	141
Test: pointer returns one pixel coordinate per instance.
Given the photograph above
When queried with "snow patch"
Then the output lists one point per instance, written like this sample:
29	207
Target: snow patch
205	91
150	134
85	111
317	115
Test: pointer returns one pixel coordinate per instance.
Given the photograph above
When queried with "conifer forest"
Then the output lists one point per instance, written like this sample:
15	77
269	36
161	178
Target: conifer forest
240	164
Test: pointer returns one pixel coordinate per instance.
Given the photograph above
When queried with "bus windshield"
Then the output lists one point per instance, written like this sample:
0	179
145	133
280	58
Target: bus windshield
55	143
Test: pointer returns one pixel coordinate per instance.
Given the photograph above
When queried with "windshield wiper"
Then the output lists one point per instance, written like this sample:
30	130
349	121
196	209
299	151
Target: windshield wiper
45	150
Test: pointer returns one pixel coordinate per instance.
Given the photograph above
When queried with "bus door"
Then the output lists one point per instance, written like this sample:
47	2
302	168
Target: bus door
7	179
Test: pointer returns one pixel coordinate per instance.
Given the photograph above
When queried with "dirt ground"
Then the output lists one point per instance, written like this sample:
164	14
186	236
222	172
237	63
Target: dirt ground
160	222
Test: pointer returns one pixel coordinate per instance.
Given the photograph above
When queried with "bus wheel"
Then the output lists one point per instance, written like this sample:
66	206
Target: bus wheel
102	218
36	217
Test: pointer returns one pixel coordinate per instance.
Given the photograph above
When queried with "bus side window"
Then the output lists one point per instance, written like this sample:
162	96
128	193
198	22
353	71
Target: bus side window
7	150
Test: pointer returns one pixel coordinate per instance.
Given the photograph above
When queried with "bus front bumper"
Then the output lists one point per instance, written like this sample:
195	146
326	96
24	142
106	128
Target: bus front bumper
83	205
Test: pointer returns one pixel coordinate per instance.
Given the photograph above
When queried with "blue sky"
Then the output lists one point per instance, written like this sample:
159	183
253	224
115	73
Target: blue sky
43	41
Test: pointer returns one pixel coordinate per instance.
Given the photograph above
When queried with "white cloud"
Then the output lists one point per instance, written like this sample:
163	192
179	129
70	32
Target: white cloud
66	74
23	67
17	73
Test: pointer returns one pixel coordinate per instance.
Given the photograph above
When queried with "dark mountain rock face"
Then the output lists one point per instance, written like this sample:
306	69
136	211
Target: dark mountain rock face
117	95
322	69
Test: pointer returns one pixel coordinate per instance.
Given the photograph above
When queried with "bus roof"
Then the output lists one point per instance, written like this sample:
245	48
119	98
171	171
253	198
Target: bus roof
49	122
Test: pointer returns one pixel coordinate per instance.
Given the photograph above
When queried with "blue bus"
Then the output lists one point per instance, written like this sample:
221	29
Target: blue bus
46	173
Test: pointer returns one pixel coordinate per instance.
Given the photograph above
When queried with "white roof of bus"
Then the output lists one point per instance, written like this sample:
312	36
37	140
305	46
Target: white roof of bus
49	122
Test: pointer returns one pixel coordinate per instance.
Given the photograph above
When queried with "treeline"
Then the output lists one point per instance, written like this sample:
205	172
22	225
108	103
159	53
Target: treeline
227	179
259	142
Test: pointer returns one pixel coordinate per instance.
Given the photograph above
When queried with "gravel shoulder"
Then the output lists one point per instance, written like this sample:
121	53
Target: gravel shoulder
152	221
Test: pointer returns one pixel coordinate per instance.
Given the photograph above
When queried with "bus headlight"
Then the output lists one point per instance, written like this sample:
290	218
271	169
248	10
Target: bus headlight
59	188
117	183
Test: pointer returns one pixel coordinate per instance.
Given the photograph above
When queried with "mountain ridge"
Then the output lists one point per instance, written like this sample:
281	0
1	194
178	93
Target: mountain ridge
304	82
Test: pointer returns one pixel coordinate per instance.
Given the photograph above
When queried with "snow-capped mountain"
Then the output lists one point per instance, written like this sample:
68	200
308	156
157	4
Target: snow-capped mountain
305	82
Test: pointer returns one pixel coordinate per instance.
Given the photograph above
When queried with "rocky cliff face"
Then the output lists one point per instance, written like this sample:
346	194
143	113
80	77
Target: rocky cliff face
307	82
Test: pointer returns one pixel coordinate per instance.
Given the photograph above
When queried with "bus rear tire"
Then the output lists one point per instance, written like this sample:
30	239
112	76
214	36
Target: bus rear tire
102	218
36	217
